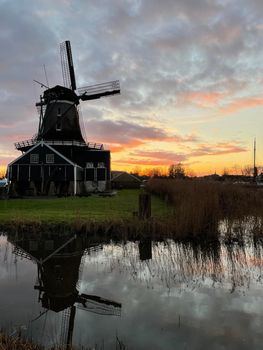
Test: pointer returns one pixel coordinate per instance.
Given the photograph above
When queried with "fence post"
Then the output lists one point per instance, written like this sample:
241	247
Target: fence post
144	205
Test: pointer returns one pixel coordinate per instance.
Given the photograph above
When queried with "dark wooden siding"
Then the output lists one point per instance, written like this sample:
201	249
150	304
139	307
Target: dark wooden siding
42	152
90	174
101	174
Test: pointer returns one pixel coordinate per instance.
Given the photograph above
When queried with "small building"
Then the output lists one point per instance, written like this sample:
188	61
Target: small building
3	183
44	170
122	179
3	188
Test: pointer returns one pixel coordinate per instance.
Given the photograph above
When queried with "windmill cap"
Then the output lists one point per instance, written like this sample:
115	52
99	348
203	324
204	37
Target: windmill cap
59	92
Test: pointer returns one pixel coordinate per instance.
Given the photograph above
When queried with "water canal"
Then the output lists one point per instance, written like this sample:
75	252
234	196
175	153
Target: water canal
132	295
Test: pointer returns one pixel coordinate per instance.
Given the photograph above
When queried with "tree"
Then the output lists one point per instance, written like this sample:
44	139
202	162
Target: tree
247	170
136	171
176	171
226	172
156	172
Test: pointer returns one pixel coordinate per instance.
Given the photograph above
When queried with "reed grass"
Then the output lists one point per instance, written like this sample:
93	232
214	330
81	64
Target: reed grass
18	343
199	206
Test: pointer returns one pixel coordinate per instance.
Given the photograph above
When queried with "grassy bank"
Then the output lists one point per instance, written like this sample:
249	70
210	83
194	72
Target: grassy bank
104	217
181	209
72	209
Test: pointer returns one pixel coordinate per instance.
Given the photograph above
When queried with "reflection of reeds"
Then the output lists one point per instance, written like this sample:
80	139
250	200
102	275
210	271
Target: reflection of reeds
199	206
19	343
16	343
185	265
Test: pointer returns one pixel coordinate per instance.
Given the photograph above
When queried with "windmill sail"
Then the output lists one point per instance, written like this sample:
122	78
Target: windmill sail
68	72
99	90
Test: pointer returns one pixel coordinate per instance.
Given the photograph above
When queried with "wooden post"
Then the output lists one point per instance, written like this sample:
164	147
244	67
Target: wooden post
145	248
144	205
75	180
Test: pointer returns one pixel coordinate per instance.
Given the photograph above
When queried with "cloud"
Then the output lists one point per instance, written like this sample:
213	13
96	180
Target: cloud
217	149
121	135
202	99
242	103
157	157
171	57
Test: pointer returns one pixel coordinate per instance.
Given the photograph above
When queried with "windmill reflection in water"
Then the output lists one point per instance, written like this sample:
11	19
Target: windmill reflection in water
60	262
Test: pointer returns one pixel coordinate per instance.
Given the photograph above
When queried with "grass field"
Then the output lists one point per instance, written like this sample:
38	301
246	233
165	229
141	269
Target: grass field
55	210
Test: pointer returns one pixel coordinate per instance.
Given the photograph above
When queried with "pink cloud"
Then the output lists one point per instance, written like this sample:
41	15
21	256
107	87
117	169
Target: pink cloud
202	99
154	158
143	162
121	135
249	102
163	156
217	149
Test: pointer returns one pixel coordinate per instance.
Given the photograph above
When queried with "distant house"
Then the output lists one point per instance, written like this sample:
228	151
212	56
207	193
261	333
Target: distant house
212	177
3	183
3	188
122	179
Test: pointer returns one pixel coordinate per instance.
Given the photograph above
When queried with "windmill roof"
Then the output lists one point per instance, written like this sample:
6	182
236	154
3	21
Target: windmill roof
61	92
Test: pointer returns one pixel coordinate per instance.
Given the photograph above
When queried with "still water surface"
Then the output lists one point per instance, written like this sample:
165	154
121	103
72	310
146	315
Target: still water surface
133	295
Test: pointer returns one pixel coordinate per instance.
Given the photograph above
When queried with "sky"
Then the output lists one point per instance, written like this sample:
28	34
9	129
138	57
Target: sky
191	76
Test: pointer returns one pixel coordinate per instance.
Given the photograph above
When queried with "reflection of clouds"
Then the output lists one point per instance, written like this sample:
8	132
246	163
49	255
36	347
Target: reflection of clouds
155	298
182	266
179	299
18	301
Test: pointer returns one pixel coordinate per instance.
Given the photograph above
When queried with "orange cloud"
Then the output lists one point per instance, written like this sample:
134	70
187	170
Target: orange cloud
213	99
165	158
123	135
144	162
120	148
217	149
203	99
242	103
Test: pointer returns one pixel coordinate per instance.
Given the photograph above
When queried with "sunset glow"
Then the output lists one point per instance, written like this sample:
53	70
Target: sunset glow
190	72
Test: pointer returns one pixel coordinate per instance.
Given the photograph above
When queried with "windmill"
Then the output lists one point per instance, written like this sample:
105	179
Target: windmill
59	269
58	113
59	119
58	160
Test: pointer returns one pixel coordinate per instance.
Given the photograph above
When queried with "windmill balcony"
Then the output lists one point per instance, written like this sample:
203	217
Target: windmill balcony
25	145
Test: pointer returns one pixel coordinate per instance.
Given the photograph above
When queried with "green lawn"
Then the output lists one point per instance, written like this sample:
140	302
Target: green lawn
70	209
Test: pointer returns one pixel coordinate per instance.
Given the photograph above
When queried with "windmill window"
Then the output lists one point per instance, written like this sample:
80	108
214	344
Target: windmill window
89	165
50	158
101	165
34	158
59	123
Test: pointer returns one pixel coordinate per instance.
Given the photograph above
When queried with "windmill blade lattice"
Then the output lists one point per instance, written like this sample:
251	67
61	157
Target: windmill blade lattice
100	309
99	90
67	66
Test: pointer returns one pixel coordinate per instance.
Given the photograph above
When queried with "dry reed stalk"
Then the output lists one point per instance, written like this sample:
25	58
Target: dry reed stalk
199	206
